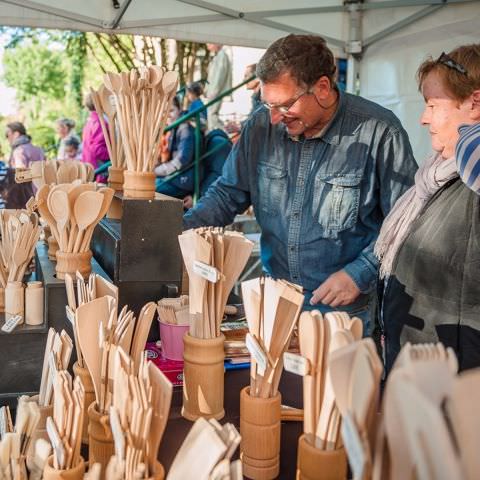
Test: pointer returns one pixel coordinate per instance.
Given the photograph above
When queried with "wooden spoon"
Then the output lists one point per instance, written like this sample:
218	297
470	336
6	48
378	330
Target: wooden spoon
60	210
87	207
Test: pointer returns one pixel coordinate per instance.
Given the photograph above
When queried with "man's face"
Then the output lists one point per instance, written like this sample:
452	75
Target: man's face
303	109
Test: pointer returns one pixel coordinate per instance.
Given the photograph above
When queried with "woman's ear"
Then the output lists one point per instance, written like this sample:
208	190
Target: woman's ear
475	113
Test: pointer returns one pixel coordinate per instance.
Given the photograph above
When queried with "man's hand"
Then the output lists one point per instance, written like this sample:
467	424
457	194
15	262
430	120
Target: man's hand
188	202
338	289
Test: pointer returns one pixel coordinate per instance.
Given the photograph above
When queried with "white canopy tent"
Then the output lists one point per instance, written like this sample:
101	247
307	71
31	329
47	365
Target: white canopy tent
385	40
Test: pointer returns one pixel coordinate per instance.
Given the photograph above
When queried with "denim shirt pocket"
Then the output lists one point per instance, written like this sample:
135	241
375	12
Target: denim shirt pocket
272	187
336	200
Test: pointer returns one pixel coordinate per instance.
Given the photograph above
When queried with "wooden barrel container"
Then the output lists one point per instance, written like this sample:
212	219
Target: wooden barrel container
116	178
89	397
139	185
75	473
73	262
14	300
203	377
100	438
316	464
260	431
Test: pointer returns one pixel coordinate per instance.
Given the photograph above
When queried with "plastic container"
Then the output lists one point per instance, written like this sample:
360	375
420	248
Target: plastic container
172	340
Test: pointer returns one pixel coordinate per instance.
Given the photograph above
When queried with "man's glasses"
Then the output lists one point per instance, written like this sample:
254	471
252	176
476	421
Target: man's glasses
284	109
448	61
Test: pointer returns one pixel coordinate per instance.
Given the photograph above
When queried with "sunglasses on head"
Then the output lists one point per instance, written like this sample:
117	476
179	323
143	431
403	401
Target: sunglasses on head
449	62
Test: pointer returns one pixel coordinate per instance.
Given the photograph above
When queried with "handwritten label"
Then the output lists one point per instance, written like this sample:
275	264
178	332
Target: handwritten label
11	323
354	446
257	353
296	364
206	271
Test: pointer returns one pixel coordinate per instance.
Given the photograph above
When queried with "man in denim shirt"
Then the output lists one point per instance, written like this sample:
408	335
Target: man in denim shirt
322	169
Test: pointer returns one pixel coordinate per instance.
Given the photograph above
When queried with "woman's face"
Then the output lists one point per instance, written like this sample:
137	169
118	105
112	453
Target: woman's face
443	114
62	130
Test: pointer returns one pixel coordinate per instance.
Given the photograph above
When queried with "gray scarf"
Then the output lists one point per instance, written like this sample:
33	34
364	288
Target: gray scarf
430	177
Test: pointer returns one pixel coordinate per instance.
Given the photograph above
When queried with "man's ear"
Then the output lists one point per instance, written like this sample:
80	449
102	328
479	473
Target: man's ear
322	87
475	113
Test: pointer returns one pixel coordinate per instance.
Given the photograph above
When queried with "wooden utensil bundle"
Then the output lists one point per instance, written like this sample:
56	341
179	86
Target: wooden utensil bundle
72	211
99	332
206	453
214	260
174	310
65	427
60	171
142	101
58	350
19	235
272	308
416	434
14	443
105	106
138	417
319	337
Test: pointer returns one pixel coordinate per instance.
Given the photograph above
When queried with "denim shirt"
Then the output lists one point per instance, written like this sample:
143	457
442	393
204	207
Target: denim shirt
320	202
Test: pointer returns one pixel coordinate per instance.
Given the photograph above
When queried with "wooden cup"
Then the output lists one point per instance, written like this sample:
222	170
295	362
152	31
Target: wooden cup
139	185
40	431
52	248
100	441
14	300
316	464
260	431
203	377
75	473
71	262
34	303
116	178
89	397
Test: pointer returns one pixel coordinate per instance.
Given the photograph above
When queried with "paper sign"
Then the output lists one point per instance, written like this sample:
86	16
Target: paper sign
354	446
11	323
206	271
296	364
257	353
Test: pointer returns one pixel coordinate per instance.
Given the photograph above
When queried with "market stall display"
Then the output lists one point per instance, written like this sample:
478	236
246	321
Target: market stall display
214	260
272	308
72	211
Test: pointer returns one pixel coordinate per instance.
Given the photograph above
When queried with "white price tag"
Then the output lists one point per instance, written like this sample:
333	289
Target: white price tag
206	271
354	446
296	364
11	323
257	353
70	315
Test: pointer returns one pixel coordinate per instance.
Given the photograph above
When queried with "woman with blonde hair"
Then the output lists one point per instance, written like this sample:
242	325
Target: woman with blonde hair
429	244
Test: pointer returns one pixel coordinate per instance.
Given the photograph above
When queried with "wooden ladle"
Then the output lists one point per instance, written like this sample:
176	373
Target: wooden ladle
86	209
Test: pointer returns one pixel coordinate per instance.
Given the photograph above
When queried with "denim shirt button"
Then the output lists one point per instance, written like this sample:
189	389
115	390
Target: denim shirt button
296	214
292	248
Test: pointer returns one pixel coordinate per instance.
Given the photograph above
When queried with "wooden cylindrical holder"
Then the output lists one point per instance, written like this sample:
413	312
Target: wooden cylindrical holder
203	377
75	473
34	303
89	397
73	262
116	178
260	431
2	299
100	438
14	300
52	248
316	464
40	431
158	473
139	185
